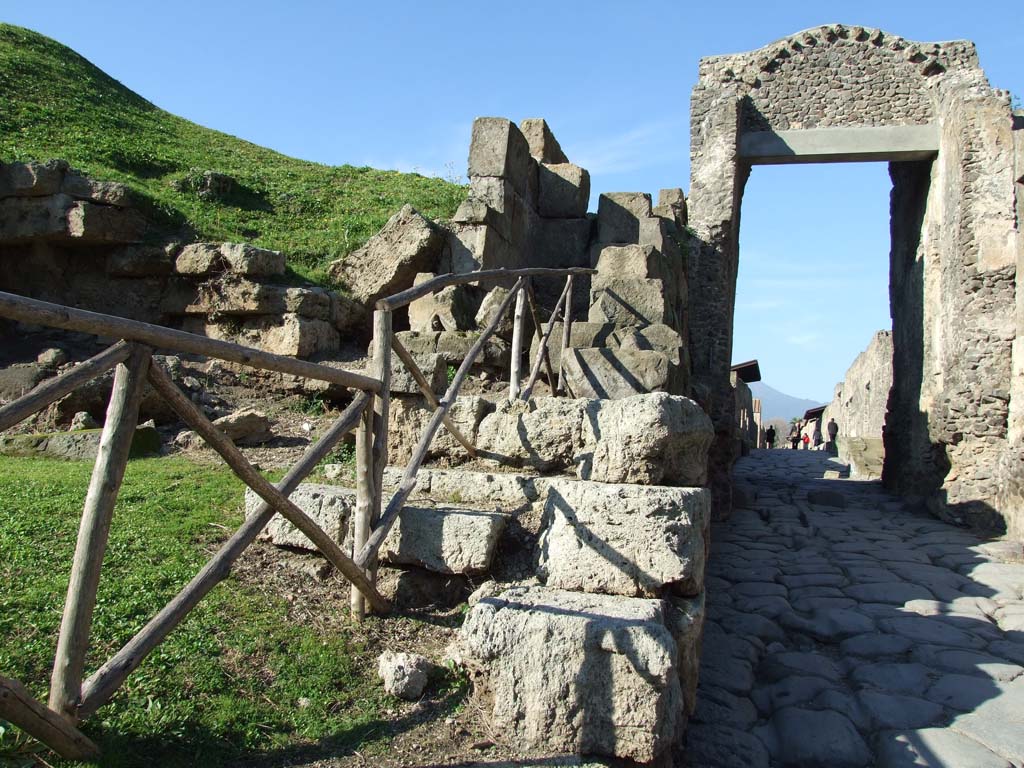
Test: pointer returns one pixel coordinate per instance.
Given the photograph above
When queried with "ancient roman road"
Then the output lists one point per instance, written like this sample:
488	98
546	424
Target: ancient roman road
845	630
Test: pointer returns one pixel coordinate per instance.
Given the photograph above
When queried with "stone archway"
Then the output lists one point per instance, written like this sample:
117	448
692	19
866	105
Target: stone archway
841	93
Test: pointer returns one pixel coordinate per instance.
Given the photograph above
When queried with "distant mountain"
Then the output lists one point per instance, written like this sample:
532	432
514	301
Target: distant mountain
779	405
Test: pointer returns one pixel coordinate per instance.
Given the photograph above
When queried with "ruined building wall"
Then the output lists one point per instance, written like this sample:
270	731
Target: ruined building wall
859	407
955	241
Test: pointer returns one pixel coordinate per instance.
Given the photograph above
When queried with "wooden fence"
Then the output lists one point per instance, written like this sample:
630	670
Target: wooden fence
73	698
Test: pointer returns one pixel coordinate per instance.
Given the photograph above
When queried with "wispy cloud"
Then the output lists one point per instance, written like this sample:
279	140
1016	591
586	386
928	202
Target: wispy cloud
642	146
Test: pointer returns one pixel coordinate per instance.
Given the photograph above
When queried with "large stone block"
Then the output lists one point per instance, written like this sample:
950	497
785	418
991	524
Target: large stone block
488	311
543	145
477	246
612	374
444	539
643	261
408	244
672	206
94	223
450	309
330	507
564	191
140	261
558	243
498	148
454	346
239	296
104	192
433	368
619	214
655	439
287	334
628	301
409	416
245	259
632	540
581	335
27	218
577	673
545	433
31	179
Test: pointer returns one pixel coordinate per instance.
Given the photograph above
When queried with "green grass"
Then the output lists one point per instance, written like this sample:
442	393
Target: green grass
225	686
58	105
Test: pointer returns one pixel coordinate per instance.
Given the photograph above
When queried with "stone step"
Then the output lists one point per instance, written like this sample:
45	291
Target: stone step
444	539
579	673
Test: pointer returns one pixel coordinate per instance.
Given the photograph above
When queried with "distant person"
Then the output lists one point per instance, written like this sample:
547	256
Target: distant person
818	439
794	435
833	432
769	437
807	442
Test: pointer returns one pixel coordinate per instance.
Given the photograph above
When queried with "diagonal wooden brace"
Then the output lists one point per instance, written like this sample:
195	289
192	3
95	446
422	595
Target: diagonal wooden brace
233	457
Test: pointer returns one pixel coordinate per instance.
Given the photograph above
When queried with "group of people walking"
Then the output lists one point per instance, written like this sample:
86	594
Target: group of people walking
798	438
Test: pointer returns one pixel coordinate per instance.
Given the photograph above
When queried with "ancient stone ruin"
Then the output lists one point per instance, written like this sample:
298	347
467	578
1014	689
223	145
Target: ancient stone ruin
840	93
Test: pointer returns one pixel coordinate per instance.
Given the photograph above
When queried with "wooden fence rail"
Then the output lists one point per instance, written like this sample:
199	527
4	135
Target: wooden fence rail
70	698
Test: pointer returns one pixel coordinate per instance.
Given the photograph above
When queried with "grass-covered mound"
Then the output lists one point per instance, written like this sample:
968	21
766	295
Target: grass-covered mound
58	105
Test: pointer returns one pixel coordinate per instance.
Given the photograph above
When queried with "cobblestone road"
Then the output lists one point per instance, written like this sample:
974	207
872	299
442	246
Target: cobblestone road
844	630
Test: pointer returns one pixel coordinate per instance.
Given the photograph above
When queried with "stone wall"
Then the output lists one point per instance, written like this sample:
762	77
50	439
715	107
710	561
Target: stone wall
71	240
956	241
859	408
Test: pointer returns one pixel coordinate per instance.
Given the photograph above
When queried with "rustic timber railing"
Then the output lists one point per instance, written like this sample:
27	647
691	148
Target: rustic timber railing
71	698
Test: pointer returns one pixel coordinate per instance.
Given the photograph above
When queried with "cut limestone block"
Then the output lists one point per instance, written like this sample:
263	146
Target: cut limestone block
672	205
288	334
544	434
80	445
489	309
330	507
656	439
630	261
628	301
686	622
34	179
479	246
632	540
577	673
581	335
450	309
498	148
433	368
409	416
408	244
444	539
543	145
613	374
564	191
619	214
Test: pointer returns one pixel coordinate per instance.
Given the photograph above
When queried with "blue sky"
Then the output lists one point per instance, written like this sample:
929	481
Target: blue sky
397	85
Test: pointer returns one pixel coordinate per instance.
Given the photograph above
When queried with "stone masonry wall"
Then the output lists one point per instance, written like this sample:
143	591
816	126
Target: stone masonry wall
859	407
955	243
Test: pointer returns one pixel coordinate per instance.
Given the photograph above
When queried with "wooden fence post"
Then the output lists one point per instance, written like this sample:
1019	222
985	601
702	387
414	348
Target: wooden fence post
364	500
108	472
566	334
517	346
381	362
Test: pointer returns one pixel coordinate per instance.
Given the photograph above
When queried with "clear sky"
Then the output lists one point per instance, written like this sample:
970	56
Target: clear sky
397	85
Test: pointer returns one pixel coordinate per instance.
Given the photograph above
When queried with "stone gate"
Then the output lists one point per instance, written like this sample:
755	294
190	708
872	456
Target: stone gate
956	156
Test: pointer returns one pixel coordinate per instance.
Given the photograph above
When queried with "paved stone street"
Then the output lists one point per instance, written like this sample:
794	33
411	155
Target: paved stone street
845	630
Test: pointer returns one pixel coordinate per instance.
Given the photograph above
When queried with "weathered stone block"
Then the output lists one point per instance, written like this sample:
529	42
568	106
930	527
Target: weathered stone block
199	259
564	191
408	244
498	148
245	259
444	539
477	246
577	673
581	335
346	313
489	308
247	426
628	301
330	507
545	433
26	218
450	309
239	296
613	374
544	147
79	445
558	243
454	346
408	417
619	214
104	192
31	179
93	223
672	206
656	439
632	540
473	210
433	367
643	261
287	334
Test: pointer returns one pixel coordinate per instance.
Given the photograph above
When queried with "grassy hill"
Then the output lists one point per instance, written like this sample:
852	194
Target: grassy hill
58	105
